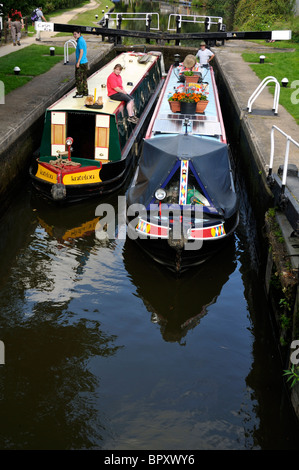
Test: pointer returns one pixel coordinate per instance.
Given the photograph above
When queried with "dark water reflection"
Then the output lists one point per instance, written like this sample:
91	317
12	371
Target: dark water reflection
105	350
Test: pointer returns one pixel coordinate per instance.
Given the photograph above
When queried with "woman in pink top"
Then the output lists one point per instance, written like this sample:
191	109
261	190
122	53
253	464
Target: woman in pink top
116	92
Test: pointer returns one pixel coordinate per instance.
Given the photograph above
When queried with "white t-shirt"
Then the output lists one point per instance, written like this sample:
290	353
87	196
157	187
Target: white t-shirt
204	55
39	14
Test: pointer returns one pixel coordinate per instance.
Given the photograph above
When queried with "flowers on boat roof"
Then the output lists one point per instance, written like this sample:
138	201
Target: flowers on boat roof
188	97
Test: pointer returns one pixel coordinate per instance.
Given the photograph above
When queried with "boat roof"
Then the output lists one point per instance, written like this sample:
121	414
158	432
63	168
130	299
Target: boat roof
209	124
132	73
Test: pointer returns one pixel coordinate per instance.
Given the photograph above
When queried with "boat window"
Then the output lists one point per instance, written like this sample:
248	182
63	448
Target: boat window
195	194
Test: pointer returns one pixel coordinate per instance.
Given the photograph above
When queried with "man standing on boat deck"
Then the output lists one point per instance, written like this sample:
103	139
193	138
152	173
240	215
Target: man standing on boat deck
204	55
117	92
81	65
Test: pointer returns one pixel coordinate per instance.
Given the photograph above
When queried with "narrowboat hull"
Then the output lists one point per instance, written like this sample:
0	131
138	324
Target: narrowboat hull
184	182
89	150
173	254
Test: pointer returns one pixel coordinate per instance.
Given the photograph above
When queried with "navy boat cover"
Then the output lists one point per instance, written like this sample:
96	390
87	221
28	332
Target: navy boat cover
209	158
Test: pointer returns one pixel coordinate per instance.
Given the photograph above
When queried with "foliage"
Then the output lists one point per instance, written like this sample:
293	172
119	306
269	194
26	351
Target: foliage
26	6
188	97
257	16
292	374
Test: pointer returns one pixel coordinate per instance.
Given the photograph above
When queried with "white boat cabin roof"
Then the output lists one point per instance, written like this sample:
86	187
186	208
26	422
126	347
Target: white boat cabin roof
208	124
132	73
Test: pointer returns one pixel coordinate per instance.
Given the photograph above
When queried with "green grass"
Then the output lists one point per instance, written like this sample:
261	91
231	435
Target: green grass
33	60
279	65
87	18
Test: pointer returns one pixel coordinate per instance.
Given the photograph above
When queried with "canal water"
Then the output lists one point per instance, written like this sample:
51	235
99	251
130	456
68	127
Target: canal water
106	350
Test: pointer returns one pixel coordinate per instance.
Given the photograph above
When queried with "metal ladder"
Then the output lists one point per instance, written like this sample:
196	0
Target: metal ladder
260	88
289	140
66	49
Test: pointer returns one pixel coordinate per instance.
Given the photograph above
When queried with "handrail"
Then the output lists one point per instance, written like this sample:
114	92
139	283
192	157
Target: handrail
66	49
183	20
260	88
124	16
286	158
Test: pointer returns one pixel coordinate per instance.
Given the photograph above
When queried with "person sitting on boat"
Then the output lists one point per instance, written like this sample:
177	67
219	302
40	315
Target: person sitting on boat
204	55
118	93
190	64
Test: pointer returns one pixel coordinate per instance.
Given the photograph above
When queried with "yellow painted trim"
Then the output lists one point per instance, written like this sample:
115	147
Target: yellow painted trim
86	177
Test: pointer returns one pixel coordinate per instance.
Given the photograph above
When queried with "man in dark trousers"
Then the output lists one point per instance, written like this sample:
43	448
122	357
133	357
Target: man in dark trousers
81	65
15	24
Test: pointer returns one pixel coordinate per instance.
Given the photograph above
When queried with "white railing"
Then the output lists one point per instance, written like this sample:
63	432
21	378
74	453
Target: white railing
193	19
286	157
260	88
133	17
66	49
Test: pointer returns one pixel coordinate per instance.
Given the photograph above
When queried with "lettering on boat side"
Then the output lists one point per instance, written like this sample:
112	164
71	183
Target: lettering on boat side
46	174
2	353
170	221
294	358
151	459
91	176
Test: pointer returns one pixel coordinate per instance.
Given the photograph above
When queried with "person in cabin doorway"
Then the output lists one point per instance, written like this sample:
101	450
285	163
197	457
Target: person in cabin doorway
81	65
117	92
204	55
40	18
15	24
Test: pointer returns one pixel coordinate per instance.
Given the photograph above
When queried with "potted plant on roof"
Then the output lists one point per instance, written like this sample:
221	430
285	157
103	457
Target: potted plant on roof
174	103
190	77
188	103
201	103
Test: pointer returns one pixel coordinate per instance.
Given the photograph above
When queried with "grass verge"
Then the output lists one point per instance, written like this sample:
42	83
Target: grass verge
33	60
280	65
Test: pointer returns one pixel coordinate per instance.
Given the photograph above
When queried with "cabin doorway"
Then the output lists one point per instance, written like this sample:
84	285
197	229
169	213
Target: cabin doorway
81	127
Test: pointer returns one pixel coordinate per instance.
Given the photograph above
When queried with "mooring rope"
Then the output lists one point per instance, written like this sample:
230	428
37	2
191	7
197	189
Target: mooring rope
60	163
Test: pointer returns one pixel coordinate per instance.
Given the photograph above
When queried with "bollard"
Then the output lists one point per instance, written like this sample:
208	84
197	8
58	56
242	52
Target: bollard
262	59
284	82
52	51
17	70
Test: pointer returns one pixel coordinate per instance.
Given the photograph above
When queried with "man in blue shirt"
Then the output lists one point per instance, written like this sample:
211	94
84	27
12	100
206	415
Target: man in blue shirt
81	65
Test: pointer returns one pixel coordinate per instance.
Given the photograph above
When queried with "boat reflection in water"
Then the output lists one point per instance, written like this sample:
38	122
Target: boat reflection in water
177	305
71	224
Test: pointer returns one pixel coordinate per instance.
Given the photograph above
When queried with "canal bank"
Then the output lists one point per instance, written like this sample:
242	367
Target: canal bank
276	211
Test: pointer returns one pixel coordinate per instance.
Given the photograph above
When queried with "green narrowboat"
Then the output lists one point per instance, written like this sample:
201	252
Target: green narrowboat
89	149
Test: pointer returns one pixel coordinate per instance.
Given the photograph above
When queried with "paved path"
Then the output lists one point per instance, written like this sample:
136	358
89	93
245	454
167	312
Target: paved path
64	18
